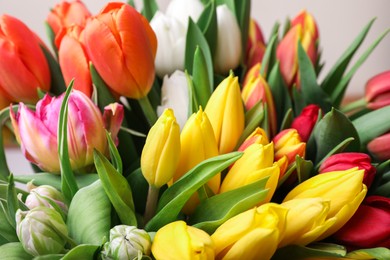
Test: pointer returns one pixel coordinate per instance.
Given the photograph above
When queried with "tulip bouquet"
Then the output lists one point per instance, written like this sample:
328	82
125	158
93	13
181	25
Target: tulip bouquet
184	134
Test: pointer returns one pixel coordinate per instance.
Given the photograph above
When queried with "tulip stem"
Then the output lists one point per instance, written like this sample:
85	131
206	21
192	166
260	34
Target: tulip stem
355	105
151	203
148	110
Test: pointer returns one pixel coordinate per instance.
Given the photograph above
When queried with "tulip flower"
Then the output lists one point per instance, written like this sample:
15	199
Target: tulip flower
171	37
379	147
228	50
66	14
258	136
377	90
253	234
160	155
305	122
255	48
182	10
23	66
122	46
289	143
344	189
36	131
197	144
73	59
369	227
174	95
177	241
126	242
226	114
41	231
43	195
345	161
306	220
113	116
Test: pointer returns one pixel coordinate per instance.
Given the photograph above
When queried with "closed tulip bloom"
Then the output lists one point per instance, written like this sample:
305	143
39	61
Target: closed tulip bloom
37	130
306	220
379	147
171	37
228	50
256	45
160	155
177	241
306	20
182	10
305	121
43	195
344	189
253	234
258	136
377	90
122	47
23	66
226	113
113	117
288	143
345	161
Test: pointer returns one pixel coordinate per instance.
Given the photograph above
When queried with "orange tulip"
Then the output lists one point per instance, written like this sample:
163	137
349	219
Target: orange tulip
122	46
23	66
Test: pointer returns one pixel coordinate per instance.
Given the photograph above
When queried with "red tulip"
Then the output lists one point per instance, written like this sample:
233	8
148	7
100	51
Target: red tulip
378	91
370	225
380	147
305	122
345	161
23	66
122	46
255	48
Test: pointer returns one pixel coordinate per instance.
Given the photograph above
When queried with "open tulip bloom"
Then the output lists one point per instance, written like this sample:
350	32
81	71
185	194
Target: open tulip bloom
186	134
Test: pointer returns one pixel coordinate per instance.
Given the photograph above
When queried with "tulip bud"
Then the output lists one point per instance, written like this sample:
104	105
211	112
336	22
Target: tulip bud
306	20
171	37
176	240
305	122
240	237
226	114
113	116
182	10
36	131
23	66
369	227
160	155
41	231
345	161
288	143
344	189
122	47
126	242
255	48
377	90
174	95
228	50
379	147
258	136
43	195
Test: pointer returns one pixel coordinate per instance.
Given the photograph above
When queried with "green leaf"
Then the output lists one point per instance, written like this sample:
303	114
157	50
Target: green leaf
207	23
82	252
4	116
243	8
103	93
150	8
12	200
193	101
269	57
274	30
200	77
57	86
372	125
287	120
49	257
314	251
139	187
174	198
304	168
214	211
117	189
335	74
7	230
337	149
89	215
52	37
14	251
114	154
379	253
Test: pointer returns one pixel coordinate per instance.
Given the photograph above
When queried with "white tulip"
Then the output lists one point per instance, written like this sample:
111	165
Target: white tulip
183	9
174	95
228	51
171	42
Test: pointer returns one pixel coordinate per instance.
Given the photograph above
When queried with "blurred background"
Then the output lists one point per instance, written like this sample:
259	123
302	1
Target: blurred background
339	23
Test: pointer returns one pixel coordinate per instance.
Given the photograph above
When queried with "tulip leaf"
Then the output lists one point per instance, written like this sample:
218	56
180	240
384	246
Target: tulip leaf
193	101
201	82
149	9
214	211
52	37
314	251
287	120
12	200
383	190
89	215
7	229
253	119
335	74
382	171
196	38
372	125
174	198
337	149
304	168
291	169
104	96
230	4
117	189
274	30
269	59
57	85
139	187
379	253
207	23
339	91
243	8
14	251
114	154
83	251
49	257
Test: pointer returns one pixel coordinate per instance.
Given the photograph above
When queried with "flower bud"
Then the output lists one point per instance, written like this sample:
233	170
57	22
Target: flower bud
113	116
377	90
160	155
258	136
176	240
305	122
288	143
255	48
182	10
41	231
43	195
379	147
126	242
345	161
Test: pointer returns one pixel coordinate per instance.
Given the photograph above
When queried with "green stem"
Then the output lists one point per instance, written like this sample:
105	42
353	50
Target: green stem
148	110
151	203
356	105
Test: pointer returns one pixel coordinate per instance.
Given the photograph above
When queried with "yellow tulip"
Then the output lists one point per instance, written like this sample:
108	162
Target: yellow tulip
226	113
197	144
160	154
306	220
258	136
344	189
179	241
288	143
253	234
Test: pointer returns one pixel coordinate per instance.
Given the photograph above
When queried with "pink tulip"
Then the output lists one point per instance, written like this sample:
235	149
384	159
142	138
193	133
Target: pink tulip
380	147
255	48
378	90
